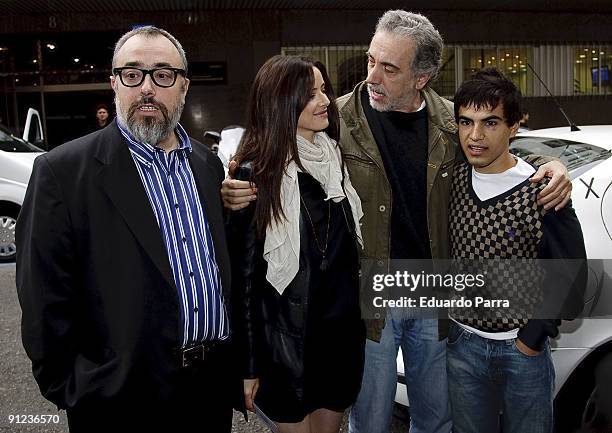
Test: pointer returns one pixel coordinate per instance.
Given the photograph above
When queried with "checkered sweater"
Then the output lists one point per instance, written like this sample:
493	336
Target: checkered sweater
509	231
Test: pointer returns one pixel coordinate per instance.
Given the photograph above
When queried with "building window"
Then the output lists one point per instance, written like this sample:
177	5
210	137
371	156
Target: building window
511	60
592	66
567	70
57	59
346	64
446	82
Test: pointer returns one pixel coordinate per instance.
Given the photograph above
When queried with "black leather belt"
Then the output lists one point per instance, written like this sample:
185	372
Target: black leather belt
201	352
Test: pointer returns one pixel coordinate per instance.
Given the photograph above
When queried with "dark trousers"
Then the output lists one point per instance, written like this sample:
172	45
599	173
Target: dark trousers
201	399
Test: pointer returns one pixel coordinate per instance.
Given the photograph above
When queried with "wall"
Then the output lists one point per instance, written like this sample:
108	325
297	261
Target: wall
583	110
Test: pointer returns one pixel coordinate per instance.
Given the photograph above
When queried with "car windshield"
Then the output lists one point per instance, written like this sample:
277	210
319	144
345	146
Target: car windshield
10	143
571	153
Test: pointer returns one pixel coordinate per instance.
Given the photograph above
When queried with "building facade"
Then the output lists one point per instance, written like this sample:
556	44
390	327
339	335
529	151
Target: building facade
56	58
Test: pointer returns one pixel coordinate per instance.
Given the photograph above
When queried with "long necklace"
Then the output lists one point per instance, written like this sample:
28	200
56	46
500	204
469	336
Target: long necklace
323	251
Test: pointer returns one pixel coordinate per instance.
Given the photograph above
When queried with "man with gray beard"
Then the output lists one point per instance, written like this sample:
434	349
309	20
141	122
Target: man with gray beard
122	269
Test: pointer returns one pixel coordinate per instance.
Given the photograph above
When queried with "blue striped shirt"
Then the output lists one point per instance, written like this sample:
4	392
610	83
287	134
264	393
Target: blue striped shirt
172	192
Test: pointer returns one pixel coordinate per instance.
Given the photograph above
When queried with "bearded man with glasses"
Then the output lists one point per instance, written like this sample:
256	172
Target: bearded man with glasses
122	270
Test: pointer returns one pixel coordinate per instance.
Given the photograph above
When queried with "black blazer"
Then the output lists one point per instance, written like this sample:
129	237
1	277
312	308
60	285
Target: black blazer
101	315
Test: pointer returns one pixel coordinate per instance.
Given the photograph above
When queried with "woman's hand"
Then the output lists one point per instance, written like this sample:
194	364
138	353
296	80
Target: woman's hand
237	194
250	390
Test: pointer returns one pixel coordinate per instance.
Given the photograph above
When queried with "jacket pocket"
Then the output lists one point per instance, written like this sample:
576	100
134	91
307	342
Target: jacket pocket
284	351
454	335
364	176
361	173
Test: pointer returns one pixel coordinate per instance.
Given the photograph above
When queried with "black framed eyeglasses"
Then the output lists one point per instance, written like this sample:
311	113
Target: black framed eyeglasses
162	77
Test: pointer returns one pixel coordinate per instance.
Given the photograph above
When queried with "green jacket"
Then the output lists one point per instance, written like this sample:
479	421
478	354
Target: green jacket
367	173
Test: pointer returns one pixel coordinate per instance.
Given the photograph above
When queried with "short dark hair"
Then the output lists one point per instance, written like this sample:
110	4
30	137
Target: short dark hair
149	32
488	88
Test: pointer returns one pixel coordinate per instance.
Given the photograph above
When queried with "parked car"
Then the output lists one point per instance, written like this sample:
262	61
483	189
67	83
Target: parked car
582	343
16	160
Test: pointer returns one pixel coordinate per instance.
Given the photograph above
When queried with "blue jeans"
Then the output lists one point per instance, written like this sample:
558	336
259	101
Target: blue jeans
488	376
425	370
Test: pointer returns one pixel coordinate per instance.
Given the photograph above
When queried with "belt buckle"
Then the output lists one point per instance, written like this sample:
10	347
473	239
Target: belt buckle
188	355
199	352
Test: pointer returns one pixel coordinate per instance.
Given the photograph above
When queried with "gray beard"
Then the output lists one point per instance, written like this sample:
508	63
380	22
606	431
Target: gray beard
149	130
393	104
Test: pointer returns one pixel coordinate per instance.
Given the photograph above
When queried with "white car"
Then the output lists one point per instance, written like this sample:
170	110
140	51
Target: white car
582	342
16	160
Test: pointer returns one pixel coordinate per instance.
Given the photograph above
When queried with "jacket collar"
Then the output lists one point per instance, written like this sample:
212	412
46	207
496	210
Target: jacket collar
144	152
120	181
438	113
357	124
441	123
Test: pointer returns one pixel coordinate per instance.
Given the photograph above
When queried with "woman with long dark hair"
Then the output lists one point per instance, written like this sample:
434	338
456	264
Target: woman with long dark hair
295	253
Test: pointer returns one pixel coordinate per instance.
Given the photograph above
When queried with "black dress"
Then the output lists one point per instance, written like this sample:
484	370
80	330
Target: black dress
334	334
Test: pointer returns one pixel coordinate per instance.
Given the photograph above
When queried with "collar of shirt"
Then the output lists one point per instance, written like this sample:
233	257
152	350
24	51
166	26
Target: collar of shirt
145	152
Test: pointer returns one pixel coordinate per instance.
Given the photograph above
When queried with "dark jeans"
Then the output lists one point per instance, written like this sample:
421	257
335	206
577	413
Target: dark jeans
486	376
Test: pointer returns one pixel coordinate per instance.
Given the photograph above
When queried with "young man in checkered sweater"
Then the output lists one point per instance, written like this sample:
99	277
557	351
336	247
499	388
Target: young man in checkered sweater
499	359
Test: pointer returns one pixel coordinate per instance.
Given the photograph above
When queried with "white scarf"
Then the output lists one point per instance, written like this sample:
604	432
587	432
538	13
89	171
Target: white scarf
321	160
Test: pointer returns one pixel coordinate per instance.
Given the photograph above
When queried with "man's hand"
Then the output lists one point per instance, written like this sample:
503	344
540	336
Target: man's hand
237	194
559	190
250	390
526	350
